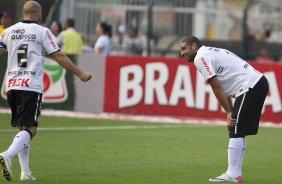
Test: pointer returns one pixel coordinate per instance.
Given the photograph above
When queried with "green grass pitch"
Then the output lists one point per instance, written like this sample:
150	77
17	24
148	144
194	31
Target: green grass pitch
180	154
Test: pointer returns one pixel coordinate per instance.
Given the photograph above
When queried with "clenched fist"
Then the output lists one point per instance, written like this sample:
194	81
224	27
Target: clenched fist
85	76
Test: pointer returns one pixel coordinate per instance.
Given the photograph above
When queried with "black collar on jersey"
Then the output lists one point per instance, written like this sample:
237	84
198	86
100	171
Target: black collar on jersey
29	21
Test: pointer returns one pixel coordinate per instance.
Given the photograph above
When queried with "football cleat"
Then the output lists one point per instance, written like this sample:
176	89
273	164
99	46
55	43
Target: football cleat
27	177
6	166
226	178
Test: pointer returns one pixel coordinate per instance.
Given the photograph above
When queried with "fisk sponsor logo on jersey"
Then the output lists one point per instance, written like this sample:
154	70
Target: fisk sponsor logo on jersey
19	34
206	66
51	40
54	87
18	82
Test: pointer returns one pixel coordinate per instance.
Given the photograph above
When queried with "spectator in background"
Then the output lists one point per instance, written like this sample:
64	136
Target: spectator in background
116	40
235	32
144	41
56	29
268	29
264	57
132	44
70	39
103	43
6	21
121	33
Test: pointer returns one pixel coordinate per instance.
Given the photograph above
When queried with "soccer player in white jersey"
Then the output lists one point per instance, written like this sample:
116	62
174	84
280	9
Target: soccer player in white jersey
230	77
26	43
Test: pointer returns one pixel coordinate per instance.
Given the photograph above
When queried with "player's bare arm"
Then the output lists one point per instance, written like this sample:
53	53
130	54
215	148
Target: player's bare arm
223	100
230	101
66	63
99	50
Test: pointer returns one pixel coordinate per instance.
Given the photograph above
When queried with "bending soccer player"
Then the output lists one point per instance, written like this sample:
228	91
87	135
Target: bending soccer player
230	76
26	43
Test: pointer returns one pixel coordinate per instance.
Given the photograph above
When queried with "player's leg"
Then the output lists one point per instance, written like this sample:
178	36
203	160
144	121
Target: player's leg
5	160
236	150
25	108
247	111
19	144
31	123
24	159
236	146
237	141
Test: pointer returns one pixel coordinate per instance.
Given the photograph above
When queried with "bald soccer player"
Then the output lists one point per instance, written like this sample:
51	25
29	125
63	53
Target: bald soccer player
26	43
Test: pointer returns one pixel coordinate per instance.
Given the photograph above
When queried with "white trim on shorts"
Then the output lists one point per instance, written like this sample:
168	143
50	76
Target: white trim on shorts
238	115
37	108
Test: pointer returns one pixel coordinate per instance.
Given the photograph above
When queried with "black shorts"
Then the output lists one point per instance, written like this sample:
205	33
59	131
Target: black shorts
247	110
25	107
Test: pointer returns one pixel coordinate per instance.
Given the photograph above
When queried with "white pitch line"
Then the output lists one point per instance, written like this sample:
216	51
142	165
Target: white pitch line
142	118
96	128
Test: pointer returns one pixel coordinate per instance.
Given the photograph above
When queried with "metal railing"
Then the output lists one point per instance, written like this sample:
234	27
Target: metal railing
167	21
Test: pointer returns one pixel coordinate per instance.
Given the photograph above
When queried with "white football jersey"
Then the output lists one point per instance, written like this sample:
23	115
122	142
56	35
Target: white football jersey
26	43
235	75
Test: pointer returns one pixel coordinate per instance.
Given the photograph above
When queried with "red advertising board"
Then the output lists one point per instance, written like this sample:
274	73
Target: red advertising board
173	87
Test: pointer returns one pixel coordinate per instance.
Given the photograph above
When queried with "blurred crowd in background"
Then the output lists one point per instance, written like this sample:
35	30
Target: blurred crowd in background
111	35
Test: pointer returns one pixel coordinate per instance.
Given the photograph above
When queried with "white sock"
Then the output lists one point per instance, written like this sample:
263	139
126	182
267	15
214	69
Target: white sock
24	159
20	141
242	154
236	150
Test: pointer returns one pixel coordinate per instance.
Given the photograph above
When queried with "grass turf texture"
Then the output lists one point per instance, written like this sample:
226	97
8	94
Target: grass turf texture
189	154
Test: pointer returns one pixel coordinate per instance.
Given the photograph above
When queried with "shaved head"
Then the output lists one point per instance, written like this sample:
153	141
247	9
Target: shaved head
32	11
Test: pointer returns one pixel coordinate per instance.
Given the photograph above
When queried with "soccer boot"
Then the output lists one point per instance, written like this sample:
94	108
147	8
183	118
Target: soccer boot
27	177
6	166
226	178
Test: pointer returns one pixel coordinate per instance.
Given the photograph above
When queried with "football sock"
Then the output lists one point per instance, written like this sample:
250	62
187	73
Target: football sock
236	150
242	154
20	142
24	159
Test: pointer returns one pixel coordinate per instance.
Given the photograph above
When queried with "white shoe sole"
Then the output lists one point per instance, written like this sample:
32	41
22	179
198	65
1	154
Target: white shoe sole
221	180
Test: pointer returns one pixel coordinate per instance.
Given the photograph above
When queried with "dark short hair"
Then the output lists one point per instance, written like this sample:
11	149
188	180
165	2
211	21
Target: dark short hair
107	29
192	39
70	22
59	25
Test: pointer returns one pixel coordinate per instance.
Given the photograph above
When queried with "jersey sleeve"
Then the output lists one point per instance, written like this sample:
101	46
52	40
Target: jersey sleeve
205	66
3	40
49	42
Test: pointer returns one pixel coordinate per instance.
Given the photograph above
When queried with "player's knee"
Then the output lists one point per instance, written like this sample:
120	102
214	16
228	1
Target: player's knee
19	129
31	130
